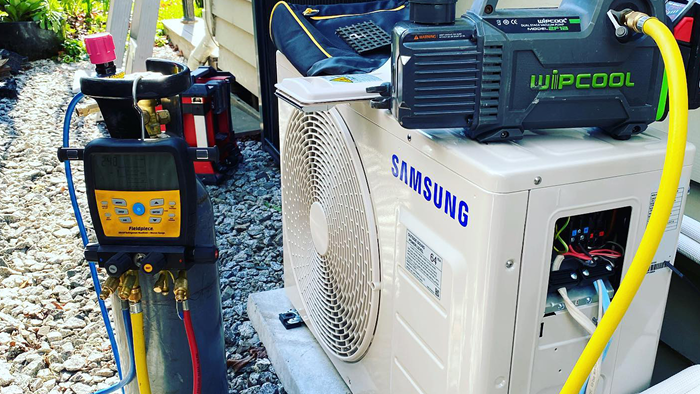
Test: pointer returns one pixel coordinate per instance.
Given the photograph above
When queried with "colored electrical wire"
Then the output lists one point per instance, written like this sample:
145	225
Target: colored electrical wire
132	369
593	253
560	239
194	352
83	233
140	349
573	253
622	250
606	252
666	195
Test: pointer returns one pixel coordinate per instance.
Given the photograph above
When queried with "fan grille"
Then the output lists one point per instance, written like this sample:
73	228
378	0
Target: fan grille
339	288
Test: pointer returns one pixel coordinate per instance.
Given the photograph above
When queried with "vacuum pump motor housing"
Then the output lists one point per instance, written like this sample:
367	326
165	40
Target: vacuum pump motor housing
498	74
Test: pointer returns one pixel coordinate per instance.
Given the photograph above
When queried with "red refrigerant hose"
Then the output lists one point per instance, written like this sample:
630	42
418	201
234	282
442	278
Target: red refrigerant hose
194	352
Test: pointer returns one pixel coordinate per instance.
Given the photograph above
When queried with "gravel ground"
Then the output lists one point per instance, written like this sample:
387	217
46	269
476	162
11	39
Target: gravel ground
51	334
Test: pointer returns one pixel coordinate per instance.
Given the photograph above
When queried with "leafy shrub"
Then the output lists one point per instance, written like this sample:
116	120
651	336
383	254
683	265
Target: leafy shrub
46	12
21	10
73	51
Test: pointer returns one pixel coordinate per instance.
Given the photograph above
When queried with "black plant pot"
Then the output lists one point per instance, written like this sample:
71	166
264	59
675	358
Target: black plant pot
28	39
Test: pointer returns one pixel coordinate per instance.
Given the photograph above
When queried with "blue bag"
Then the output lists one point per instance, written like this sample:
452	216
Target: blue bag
306	34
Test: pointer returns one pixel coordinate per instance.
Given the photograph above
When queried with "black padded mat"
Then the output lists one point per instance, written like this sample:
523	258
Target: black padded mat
364	37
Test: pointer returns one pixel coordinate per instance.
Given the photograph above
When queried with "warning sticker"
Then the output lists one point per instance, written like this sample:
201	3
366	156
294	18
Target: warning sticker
537	25
424	264
675	218
453	35
352	78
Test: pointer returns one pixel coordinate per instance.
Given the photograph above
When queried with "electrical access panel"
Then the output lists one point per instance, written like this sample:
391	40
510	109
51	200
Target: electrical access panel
592	246
498	72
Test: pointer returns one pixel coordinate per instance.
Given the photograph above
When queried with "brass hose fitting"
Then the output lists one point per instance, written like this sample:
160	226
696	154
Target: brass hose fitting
181	287
163	116
634	20
108	287
135	295
128	284
161	286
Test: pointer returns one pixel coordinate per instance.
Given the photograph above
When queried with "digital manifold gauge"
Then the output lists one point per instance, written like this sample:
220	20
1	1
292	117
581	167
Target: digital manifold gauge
146	206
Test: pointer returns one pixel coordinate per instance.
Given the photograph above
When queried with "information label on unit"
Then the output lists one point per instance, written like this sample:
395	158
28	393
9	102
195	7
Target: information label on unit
424	264
675	220
537	25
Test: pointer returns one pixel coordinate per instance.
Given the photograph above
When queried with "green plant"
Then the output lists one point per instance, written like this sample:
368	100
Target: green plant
71	7
51	17
161	36
46	12
73	51
21	10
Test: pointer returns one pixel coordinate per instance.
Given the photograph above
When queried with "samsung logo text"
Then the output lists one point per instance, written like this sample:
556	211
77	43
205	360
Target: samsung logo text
442	199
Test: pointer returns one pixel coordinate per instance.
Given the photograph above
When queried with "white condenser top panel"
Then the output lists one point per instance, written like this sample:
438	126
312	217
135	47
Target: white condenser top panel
555	157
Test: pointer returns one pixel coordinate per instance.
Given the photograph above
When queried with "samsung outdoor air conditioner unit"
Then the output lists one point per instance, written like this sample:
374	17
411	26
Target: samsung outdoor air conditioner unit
422	262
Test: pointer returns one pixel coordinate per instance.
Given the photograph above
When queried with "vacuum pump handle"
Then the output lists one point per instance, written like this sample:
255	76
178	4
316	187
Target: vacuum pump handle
175	80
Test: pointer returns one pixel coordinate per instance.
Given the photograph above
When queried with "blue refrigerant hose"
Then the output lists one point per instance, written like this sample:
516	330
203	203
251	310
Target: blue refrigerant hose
93	269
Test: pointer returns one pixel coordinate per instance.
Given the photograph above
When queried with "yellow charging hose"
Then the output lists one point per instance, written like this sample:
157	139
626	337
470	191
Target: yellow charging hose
670	177
139	349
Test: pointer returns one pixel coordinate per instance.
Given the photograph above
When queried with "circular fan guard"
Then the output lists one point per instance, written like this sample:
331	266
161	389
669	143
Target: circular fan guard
336	262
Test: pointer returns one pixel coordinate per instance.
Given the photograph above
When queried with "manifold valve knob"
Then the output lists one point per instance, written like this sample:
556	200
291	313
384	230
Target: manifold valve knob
118	264
153	263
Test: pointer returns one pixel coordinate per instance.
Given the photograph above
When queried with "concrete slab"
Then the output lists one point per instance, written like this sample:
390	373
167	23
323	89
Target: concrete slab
186	35
300	363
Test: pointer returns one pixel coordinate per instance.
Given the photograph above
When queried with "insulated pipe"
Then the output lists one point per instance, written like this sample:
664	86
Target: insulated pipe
690	228
689	248
139	348
670	177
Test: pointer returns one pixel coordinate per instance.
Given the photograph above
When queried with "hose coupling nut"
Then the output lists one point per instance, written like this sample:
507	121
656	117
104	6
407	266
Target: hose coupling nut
635	20
181	287
135	295
108	287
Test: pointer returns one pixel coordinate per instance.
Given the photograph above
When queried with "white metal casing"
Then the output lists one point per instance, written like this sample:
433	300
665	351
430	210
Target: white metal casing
482	334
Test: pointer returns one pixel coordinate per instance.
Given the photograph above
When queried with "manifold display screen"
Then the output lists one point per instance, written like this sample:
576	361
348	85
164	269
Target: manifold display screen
134	171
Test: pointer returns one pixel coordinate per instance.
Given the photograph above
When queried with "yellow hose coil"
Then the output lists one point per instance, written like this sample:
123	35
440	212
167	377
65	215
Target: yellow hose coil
673	164
140	353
